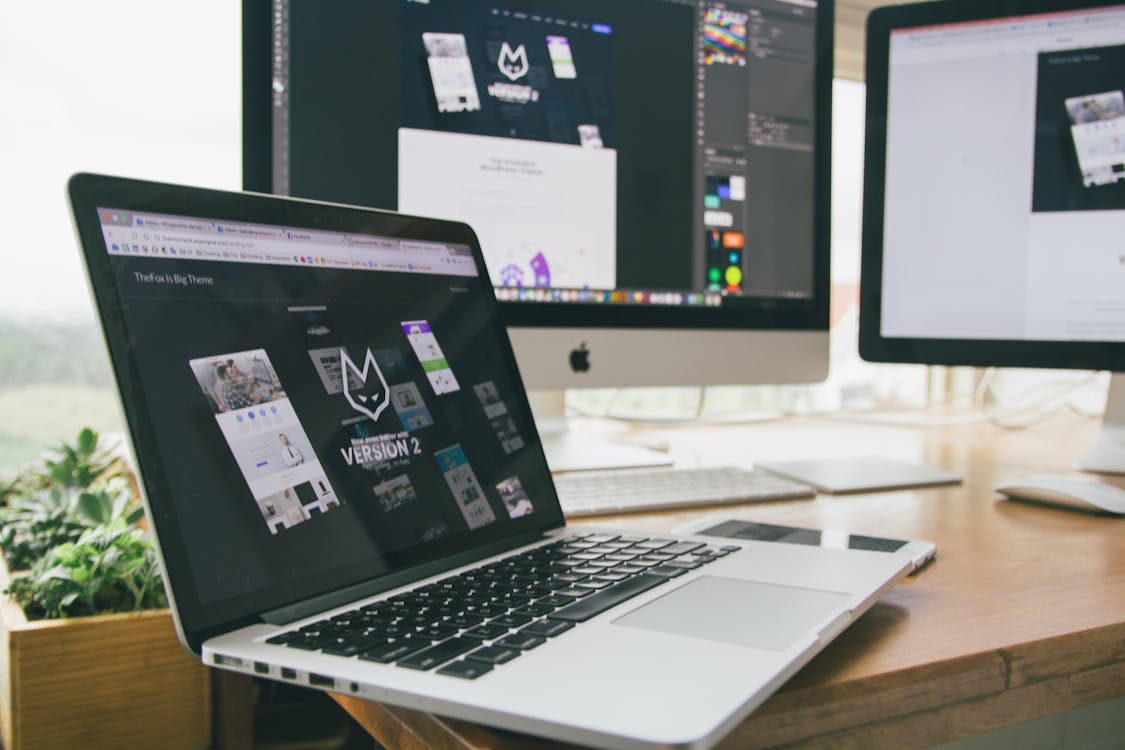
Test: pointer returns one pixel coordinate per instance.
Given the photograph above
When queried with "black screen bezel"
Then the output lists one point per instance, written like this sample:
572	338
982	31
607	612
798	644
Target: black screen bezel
200	620
762	314
873	346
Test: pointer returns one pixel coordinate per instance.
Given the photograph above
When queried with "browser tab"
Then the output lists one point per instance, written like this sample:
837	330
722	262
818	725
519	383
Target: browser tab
154	222
422	247
381	243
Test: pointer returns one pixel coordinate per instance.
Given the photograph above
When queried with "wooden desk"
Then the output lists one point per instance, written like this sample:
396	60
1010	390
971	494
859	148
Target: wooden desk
1022	615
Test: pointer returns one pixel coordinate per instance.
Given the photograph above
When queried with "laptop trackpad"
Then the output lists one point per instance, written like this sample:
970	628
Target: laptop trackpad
744	613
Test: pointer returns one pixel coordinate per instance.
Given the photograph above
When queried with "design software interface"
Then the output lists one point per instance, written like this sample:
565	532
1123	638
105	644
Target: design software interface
656	153
1029	112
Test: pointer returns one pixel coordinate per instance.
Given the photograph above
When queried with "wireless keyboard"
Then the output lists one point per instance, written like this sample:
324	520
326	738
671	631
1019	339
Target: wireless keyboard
609	492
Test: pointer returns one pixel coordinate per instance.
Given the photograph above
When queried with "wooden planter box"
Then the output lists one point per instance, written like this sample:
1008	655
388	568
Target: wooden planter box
111	681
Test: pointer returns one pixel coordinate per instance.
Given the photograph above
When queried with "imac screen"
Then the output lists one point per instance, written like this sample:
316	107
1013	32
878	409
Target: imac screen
665	159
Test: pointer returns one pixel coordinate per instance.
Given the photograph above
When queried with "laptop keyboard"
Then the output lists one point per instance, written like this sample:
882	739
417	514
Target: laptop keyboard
467	624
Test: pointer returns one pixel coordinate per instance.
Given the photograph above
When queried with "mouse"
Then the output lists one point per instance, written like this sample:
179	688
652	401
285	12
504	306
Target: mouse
1067	492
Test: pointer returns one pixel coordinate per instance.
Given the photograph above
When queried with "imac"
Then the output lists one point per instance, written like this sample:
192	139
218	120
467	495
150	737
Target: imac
649	180
994	200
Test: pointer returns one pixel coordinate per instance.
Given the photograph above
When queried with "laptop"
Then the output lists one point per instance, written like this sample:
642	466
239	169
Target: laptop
347	491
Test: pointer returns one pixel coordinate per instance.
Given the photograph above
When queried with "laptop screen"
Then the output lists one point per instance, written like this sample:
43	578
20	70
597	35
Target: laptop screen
327	406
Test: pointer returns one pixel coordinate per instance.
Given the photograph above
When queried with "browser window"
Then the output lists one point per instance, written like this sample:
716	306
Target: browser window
1004	206
333	397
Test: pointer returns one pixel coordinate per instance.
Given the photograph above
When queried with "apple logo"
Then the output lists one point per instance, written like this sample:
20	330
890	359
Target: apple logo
580	358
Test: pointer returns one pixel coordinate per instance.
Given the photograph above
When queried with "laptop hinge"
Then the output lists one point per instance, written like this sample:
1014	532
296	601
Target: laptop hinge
308	607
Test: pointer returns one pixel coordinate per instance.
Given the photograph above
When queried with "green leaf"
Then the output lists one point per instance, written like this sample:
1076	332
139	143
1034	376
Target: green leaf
87	441
94	508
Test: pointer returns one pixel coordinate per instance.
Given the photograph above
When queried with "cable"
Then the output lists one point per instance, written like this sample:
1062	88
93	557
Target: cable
1031	407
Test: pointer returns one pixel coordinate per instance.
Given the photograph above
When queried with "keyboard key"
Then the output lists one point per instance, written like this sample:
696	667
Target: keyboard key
666	571
522	641
510	620
607	598
486	632
395	650
626	568
494	654
546	628
394	631
601	538
538	609
437	632
654	543
439	654
353	647
593	583
681	548
312	642
573	592
282	638
586	570
489	610
464	620
466	669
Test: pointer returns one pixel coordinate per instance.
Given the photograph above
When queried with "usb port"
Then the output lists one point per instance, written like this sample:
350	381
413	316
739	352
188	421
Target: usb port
227	661
288	674
261	668
317	680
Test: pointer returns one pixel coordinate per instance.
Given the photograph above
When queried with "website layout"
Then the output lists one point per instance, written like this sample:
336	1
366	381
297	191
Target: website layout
545	212
1098	130
1038	260
516	137
312	416
265	437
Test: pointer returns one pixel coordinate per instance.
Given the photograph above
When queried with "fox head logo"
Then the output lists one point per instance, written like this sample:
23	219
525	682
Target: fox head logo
369	398
512	64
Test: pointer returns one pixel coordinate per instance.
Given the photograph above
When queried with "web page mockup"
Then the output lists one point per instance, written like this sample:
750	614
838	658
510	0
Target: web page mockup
520	144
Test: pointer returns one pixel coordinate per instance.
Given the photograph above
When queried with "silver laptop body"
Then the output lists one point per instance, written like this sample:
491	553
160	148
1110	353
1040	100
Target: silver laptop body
348	492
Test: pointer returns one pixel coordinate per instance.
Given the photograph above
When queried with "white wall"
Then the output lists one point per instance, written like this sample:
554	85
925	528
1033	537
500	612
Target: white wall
139	88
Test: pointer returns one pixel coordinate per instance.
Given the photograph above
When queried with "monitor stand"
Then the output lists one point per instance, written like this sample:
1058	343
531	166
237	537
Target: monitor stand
571	451
1107	456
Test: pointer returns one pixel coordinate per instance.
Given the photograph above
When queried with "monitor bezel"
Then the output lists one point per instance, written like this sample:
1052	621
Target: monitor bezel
873	346
773	313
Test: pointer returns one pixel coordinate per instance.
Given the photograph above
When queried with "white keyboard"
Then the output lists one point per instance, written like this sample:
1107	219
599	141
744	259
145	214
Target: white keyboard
595	493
